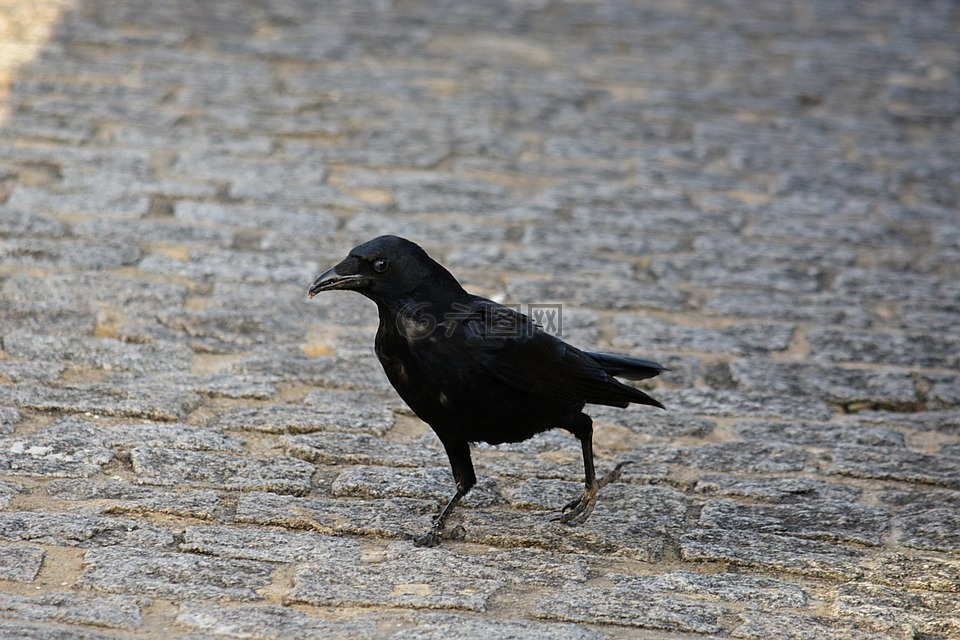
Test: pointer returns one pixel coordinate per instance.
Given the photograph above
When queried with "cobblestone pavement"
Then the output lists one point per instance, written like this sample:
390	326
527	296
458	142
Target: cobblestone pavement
763	196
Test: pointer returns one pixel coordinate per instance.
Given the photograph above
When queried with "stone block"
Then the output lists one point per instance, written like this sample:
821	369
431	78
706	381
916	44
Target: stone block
20	562
167	467
272	622
403	576
771	552
82	529
832	521
65	607
173	575
888	463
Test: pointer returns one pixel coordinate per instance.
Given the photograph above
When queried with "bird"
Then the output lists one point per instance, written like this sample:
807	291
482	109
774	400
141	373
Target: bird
478	371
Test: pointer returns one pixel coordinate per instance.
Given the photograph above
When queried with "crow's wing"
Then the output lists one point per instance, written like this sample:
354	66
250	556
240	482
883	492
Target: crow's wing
513	349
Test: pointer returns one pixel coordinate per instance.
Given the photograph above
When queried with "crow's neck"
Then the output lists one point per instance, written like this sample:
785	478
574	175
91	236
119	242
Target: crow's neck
430	303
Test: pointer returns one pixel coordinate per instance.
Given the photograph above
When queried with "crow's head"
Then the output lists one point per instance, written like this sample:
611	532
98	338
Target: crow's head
384	269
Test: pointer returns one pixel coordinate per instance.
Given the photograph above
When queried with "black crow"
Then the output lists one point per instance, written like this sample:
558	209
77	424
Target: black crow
478	371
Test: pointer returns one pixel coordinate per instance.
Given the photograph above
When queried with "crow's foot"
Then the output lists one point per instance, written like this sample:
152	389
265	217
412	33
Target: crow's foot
577	511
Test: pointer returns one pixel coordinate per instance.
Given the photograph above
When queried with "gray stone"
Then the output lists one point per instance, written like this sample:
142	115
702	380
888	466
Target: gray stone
929	525
7	491
820	435
394	518
27	223
776	305
229	384
531	567
887	608
25	370
255	217
151	399
45	315
628	521
71	431
19	630
352	370
630	605
173	575
886	285
833	521
382	147
386	482
81	529
535	260
563	238
916	571
168	435
888	463
946	421
888	348
226	332
425	192
930	317
87	203
758	625
943	390
428	625
89	289
725	403
331	447
401	576
101	353
153	232
68	448
113	612
436	228
741	339
773	553
231	266
713	271
728	587
165	467
130	499
744	457
326	410
352	410
20	562
9	417
844	385
779	490
598	294
270	545
63	253
271	622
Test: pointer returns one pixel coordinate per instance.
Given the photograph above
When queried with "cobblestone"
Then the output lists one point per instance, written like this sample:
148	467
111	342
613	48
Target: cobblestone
761	196
113	612
172	575
159	466
20	562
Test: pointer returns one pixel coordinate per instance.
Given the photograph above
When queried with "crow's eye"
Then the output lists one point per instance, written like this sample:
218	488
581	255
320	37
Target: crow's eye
380	266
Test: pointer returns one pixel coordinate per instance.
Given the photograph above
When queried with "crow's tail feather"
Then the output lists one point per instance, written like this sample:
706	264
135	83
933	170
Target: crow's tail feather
615	393
627	367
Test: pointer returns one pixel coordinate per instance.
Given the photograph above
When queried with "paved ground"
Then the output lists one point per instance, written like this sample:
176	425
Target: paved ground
764	196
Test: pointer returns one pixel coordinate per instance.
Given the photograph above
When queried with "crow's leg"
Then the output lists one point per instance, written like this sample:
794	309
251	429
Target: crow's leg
432	537
463	474
577	511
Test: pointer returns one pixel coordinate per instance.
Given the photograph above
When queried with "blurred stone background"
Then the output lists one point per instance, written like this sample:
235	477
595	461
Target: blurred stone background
763	196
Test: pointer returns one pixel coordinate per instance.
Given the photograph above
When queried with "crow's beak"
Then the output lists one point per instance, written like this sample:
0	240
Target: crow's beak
331	280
